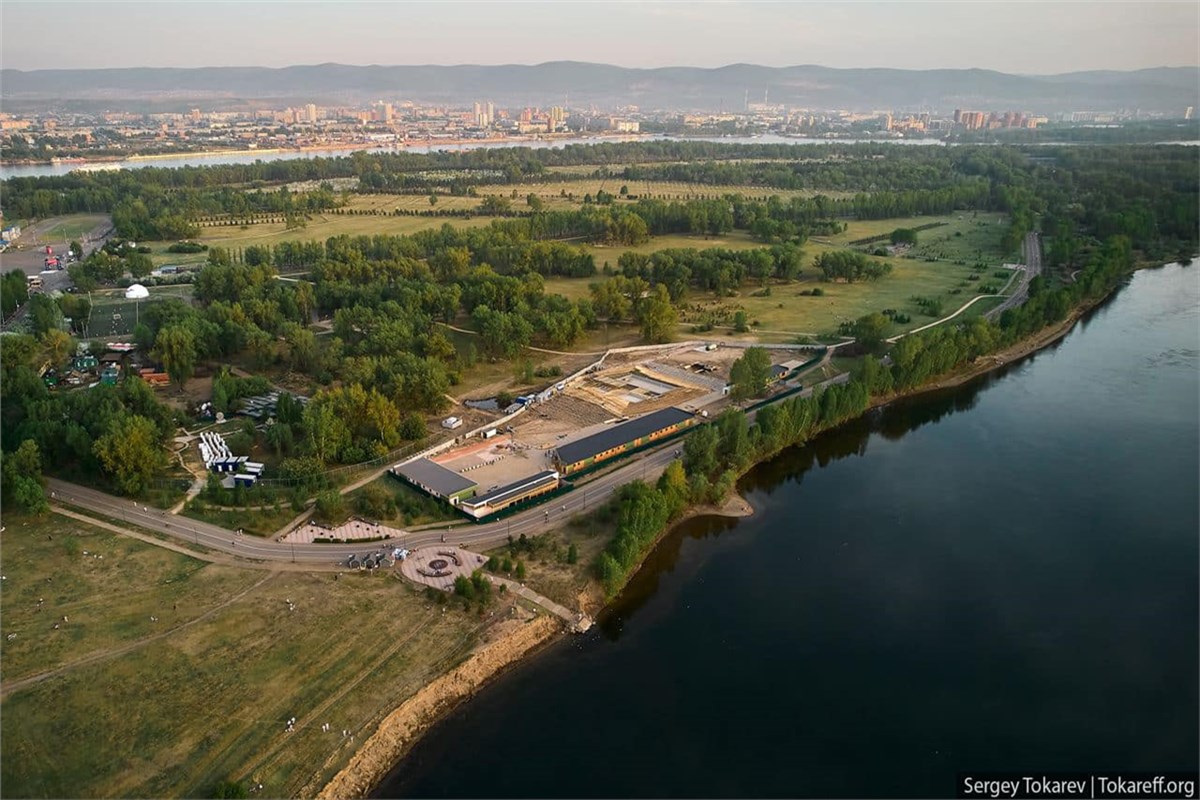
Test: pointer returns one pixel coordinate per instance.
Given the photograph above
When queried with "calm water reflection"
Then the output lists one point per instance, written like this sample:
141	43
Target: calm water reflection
1000	576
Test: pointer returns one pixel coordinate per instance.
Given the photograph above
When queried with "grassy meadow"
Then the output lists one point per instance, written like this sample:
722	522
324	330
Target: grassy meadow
170	708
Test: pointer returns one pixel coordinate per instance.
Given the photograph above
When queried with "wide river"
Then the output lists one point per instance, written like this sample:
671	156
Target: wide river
249	157
1000	576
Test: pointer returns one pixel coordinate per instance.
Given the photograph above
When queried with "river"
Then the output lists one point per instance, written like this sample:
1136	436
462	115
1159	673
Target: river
249	157
999	576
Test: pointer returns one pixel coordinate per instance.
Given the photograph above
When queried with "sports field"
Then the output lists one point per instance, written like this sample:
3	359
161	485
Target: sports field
113	315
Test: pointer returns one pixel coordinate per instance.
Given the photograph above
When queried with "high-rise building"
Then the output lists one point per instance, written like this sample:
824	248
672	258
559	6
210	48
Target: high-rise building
388	112
958	116
311	112
1187	112
195	115
491	114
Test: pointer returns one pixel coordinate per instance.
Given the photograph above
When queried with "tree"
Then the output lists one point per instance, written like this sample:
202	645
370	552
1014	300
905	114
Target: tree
306	301
139	265
330	506
58	344
741	322
904	236
520	572
658	316
869	330
534	202
495	205
750	373
175	347
328	434
433	199
130	453
44	315
14	291
21	473
572	554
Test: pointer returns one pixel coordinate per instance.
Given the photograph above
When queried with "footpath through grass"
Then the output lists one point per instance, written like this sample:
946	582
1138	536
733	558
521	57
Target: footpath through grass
210	700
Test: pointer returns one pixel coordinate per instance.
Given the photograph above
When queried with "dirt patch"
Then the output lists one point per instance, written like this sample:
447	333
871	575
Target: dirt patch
400	729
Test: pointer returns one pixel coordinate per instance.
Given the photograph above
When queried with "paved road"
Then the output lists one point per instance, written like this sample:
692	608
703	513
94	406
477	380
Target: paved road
531	522
30	257
1033	268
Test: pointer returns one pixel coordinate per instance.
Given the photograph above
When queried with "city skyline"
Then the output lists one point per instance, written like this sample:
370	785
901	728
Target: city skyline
1116	36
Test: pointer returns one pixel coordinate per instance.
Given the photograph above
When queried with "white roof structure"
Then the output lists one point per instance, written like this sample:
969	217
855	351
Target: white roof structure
137	292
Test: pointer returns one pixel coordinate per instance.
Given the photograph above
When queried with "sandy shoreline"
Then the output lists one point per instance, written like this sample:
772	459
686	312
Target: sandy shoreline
400	729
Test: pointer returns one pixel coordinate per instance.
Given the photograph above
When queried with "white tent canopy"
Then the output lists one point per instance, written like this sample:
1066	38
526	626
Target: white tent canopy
137	292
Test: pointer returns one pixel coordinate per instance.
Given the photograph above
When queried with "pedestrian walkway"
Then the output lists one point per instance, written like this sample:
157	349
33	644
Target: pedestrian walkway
350	530
438	566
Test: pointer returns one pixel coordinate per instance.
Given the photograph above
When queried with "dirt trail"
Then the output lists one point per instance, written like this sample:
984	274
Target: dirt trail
400	729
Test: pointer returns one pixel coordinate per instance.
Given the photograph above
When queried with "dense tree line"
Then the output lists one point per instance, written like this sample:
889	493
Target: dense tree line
115	432
850	266
716	454
712	269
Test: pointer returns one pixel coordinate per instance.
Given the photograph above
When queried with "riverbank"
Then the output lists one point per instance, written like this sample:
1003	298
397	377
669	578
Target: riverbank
398	732
513	641
82	162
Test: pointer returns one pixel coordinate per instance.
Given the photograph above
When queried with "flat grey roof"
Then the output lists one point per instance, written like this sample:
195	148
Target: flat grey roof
617	435
434	477
502	493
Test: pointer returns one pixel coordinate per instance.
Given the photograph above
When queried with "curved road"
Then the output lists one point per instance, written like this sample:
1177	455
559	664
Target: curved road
1033	268
531	522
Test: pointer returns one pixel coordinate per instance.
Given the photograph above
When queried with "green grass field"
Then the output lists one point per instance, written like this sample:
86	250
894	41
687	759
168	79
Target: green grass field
73	226
734	240
320	227
786	313
113	315
965	237
209	700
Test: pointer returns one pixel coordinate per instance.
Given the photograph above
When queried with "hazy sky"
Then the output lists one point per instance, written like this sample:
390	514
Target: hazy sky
1022	37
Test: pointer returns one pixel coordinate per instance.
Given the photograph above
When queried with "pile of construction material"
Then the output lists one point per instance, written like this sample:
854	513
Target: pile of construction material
218	458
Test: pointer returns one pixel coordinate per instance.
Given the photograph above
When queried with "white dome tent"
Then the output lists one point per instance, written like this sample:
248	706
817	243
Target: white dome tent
137	292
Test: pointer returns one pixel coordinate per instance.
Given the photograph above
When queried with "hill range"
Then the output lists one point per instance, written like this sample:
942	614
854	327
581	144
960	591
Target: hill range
1162	89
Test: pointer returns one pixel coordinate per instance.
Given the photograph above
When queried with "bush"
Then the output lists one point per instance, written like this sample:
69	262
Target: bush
187	247
330	506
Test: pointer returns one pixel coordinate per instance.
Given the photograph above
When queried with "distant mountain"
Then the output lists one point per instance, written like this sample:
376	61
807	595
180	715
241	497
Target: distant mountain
1167	89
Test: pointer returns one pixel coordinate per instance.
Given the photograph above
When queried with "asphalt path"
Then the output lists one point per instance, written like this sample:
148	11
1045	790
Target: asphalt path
1033	268
539	519
30	257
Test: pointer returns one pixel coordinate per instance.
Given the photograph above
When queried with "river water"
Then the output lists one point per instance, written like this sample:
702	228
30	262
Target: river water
249	157
1000	576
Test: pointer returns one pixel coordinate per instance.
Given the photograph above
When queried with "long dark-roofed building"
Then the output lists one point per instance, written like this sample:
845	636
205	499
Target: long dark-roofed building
436	480
621	438
505	496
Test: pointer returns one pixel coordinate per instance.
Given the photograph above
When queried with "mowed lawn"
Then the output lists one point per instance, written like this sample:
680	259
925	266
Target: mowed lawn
322	226
210	700
965	236
786	313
